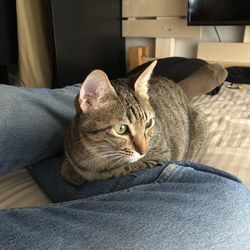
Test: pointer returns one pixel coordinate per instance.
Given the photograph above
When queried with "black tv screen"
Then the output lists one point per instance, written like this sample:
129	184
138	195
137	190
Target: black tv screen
218	12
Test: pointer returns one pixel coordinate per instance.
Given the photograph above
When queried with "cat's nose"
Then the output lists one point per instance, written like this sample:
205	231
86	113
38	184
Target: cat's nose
140	145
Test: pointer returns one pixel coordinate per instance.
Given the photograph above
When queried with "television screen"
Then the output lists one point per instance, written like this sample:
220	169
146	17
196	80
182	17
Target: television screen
219	12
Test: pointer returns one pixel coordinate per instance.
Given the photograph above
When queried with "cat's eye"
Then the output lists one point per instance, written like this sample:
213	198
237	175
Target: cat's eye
150	123
121	129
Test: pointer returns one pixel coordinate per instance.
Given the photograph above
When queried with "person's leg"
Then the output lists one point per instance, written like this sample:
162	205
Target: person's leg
32	123
180	206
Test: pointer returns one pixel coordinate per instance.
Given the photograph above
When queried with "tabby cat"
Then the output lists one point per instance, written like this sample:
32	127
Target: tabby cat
127	125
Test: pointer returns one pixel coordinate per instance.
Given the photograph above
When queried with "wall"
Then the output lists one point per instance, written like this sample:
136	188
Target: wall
188	47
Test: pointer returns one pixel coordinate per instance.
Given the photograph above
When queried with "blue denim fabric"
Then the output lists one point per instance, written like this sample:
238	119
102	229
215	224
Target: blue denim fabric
166	207
47	174
32	124
178	205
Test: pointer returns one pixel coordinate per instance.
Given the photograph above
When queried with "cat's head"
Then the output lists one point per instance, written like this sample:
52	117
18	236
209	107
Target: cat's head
115	119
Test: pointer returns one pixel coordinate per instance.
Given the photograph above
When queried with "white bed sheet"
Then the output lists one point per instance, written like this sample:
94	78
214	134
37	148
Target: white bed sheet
228	114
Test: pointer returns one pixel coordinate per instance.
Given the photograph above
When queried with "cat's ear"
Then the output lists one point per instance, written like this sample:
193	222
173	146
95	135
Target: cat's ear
141	84
95	87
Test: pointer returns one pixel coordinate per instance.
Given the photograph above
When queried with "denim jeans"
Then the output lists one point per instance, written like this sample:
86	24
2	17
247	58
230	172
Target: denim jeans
176	205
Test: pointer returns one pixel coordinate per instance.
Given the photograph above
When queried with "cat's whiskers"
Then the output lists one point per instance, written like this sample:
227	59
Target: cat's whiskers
108	154
113	157
132	156
108	150
103	155
123	160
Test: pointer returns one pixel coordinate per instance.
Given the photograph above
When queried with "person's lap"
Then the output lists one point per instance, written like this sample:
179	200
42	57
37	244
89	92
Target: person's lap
176	206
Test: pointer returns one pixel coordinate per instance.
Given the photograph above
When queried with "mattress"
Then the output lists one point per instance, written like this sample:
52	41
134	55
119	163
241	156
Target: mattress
228	115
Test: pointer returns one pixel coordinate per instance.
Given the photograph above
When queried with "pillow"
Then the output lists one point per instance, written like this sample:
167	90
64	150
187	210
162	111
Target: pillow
175	68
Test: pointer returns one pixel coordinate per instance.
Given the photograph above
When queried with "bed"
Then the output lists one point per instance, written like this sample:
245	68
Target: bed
228	115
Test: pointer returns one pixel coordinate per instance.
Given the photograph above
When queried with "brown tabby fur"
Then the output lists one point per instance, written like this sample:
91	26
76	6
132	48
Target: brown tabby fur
95	151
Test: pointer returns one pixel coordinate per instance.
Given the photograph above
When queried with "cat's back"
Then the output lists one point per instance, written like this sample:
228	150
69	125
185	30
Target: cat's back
180	129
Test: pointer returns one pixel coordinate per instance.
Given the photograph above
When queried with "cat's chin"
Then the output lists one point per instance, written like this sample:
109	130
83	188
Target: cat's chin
135	157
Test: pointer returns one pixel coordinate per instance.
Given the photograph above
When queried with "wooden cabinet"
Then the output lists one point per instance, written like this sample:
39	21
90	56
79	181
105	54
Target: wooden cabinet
87	35
8	34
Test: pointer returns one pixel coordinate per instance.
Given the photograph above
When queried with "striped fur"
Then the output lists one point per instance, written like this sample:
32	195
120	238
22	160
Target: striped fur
162	127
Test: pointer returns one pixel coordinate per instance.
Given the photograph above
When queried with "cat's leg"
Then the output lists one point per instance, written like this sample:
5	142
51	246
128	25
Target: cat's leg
204	80
70	175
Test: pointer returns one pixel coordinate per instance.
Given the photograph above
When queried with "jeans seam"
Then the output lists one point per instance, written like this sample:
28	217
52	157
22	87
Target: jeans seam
156	181
171	171
76	201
